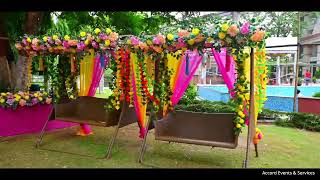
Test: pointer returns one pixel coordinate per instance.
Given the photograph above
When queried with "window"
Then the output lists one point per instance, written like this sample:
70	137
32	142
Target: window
314	51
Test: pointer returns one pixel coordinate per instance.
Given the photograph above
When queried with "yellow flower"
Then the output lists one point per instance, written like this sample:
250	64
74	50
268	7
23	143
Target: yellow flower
40	98
86	42
195	31
18	98
2	100
247	96
36	95
3	94
191	42
117	107
28	39
238	126
107	42
108	30
241	107
170	37
128	41
97	31
221	35
149	42
45	38
210	39
66	37
71	96
83	34
26	97
224	27
54	37
241	121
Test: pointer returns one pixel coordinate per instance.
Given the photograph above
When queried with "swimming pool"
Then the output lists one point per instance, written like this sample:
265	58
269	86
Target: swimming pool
280	98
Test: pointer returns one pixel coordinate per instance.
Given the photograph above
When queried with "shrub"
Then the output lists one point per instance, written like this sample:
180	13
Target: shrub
190	95
206	106
306	121
317	95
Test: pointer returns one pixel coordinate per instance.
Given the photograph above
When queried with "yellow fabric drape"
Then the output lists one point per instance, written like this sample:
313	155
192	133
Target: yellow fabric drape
86	72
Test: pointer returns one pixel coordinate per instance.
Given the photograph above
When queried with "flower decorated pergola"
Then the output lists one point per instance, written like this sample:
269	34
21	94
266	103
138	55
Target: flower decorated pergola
156	70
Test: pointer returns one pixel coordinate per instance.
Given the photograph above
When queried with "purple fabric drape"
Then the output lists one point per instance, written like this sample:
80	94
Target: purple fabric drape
25	120
227	68
184	78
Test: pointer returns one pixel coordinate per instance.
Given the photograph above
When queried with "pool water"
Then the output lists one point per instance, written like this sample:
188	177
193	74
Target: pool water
284	91
279	98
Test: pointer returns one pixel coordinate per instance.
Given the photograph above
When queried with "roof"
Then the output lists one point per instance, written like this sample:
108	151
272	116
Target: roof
282	41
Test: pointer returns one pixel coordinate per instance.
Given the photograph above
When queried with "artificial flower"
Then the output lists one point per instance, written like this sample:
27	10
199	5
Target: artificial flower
108	30
149	42
156	41
195	31
241	121
86	42
3	94
54	37
245	28
129	41
191	42
45	38
170	37
238	125
113	36
40	98
183	33
134	40
22	102
83	34
224	27
161	38
257	36
28	40
97	31
107	42
48	101
73	42
2	100
66	37
233	30
221	35
18	46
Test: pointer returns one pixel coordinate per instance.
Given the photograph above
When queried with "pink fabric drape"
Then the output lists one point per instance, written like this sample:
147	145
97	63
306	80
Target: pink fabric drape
227	68
100	62
184	77
25	120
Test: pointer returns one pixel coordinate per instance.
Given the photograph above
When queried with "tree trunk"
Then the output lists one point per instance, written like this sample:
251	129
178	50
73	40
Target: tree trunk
19	68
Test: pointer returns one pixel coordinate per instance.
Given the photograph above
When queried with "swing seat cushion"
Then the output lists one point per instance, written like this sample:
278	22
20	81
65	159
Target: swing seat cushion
209	129
91	110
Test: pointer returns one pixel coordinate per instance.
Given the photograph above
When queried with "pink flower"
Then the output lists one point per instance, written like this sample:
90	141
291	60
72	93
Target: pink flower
65	44
35	41
113	36
50	41
156	40
103	36
48	101
58	42
94	44
233	30
180	44
81	46
22	102
24	41
245	28
134	40
34	47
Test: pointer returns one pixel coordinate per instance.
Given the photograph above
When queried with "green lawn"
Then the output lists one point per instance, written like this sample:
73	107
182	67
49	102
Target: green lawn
280	148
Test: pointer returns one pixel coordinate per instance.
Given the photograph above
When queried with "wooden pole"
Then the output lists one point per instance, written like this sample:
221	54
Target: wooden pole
251	123
297	69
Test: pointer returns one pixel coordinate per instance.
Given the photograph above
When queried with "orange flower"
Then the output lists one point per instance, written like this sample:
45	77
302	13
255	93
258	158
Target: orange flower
183	33
113	36
73	42
199	38
158	49
48	101
161	38
257	36
233	30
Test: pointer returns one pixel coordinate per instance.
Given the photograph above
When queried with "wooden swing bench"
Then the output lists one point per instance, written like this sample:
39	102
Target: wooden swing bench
90	110
208	129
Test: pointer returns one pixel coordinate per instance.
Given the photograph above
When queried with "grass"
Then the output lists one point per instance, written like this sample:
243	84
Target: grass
280	148
107	92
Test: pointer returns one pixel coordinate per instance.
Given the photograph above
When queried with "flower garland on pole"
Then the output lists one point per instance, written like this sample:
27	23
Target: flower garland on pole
235	36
